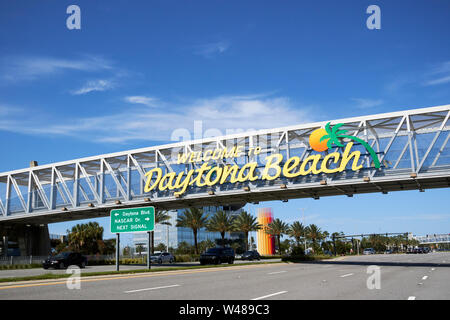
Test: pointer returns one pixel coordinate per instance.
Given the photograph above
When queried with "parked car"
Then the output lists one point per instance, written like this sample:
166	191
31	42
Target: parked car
251	255
369	251
163	257
217	256
388	251
64	260
422	250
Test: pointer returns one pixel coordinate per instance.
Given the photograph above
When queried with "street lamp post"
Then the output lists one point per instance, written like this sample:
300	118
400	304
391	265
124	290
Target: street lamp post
304	226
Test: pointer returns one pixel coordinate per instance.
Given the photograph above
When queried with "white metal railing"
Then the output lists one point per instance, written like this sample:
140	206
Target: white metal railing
23	260
26	260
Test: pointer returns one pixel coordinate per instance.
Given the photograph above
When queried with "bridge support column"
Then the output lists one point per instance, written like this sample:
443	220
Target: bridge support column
30	239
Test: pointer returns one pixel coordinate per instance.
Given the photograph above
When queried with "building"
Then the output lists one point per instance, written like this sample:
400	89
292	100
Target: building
174	235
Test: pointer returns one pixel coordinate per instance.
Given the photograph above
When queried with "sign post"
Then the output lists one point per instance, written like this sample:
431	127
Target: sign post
117	250
132	220
148	250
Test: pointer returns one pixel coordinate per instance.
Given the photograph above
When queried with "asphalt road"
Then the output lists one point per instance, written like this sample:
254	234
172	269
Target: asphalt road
403	277
40	271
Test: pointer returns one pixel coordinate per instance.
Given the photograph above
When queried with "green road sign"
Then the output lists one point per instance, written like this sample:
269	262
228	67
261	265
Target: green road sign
132	220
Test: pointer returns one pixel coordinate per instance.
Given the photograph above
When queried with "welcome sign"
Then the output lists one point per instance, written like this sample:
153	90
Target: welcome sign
275	165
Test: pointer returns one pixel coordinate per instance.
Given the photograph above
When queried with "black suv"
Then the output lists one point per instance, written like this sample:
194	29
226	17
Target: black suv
251	255
217	256
65	259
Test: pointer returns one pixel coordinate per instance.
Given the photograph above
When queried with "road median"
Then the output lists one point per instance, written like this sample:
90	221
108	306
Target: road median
99	274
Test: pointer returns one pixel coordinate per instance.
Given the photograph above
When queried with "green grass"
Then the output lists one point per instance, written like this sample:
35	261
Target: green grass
48	276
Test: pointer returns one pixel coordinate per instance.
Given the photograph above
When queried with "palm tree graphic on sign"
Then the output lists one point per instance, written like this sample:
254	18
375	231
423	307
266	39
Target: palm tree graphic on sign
321	140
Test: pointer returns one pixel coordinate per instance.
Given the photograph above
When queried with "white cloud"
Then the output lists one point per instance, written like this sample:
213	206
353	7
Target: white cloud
211	49
362	103
31	67
94	85
220	115
440	74
438	81
147	101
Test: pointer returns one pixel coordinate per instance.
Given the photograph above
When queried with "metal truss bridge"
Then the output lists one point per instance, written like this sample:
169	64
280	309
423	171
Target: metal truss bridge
433	238
412	148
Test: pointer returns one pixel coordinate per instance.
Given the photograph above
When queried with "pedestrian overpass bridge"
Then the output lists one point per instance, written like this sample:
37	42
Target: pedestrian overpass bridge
433	238
405	150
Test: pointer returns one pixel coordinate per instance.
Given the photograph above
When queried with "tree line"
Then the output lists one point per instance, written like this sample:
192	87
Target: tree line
304	236
88	238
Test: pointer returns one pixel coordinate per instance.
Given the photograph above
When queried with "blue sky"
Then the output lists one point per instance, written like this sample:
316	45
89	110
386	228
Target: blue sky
61	90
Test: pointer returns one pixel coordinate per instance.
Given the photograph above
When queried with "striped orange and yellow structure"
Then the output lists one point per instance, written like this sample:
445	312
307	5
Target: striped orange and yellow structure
266	243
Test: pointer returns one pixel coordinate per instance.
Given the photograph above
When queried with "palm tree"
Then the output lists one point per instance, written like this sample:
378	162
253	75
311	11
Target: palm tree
94	235
221	222
246	223
85	237
195	219
277	228
334	134
297	231
74	237
161	217
139	249
314	233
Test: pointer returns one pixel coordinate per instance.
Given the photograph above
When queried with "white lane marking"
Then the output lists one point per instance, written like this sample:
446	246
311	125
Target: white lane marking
276	272
412	298
432	269
347	275
270	295
424	277
155	288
